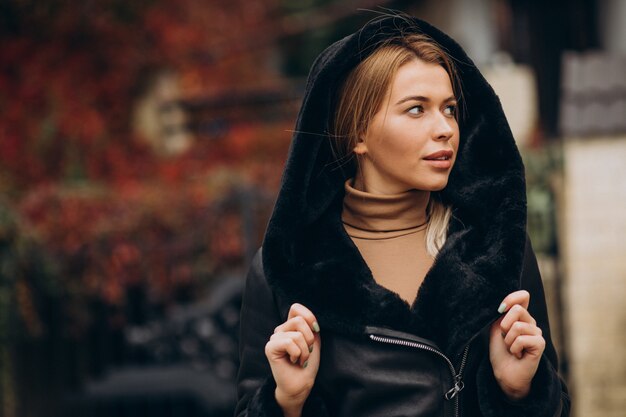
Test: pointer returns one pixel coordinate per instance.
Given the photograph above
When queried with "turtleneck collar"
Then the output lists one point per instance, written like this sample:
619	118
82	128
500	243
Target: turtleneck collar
383	212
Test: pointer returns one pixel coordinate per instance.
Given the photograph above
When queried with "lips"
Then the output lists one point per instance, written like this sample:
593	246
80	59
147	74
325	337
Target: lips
439	156
440	159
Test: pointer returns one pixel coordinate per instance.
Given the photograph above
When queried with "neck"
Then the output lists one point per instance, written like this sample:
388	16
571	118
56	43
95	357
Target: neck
384	212
420	197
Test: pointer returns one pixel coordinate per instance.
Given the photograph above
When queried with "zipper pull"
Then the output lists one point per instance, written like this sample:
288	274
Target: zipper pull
458	387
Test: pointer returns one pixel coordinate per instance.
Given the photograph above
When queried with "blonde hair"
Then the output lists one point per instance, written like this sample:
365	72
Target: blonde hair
361	97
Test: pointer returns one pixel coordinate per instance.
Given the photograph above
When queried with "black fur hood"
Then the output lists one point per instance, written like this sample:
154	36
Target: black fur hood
309	258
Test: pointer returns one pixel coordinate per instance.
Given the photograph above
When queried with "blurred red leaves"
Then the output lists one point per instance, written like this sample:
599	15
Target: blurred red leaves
105	241
109	211
70	74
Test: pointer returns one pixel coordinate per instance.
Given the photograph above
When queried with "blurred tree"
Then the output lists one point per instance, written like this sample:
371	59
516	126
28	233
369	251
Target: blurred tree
70	74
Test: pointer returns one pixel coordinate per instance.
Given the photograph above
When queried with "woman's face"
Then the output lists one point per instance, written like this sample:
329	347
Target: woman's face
411	143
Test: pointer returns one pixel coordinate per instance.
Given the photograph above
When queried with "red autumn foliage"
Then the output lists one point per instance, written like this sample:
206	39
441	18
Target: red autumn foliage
103	205
70	74
155	236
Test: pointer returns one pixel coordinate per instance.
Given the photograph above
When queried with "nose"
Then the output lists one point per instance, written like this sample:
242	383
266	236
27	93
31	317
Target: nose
443	127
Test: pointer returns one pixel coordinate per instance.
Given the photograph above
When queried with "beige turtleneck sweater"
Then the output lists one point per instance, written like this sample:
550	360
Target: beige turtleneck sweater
390	232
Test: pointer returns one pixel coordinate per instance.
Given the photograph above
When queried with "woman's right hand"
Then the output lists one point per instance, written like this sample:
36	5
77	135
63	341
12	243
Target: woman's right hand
293	352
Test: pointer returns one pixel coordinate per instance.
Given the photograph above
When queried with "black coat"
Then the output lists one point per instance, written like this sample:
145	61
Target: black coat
381	356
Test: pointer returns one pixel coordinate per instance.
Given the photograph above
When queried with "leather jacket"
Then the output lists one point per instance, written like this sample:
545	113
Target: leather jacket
379	355
387	372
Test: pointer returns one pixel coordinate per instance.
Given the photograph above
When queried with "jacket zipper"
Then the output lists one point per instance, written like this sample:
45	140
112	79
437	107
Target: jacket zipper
457	377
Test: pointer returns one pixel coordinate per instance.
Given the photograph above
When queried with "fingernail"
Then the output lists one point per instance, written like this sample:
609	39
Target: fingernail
502	308
294	360
305	364
310	348
316	327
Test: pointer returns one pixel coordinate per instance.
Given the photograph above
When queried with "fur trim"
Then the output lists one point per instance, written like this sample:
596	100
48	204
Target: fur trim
264	404
544	399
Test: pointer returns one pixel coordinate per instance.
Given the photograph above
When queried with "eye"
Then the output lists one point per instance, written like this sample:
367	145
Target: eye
416	110
450	110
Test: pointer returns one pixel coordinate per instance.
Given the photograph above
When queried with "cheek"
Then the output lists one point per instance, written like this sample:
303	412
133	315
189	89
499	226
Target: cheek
406	150
456	138
455	148
406	139
396	143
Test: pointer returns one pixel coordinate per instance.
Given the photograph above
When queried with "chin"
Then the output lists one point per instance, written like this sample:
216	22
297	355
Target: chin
430	182
437	186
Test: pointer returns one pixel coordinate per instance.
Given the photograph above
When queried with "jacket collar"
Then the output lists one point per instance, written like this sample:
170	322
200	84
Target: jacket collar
459	296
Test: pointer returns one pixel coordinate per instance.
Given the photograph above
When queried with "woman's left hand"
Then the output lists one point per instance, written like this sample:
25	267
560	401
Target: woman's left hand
515	346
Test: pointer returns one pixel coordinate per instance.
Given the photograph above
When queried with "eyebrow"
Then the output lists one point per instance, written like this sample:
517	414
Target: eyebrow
422	98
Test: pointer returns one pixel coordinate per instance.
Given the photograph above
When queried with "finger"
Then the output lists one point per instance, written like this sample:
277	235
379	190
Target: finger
533	345
520	328
299	340
299	324
297	309
281	347
516	313
521	297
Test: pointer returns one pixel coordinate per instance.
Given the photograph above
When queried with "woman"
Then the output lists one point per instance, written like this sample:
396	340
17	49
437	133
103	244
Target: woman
396	277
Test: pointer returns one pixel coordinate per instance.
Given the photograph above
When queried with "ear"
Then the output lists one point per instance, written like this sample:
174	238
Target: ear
361	147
